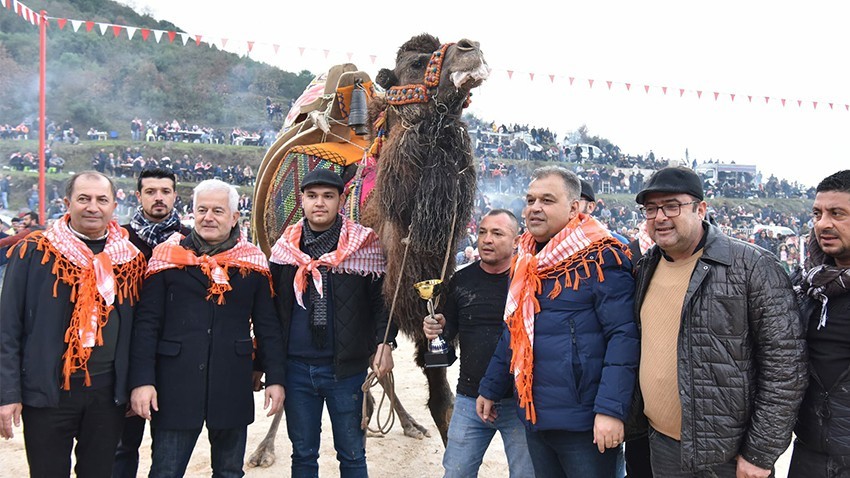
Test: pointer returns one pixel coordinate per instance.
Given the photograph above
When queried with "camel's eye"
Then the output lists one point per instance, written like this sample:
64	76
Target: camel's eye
418	63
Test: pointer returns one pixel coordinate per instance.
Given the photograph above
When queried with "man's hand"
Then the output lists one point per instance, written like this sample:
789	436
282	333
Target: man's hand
607	432
257	379
484	409
274	396
9	414
433	327
143	399
748	470
382	362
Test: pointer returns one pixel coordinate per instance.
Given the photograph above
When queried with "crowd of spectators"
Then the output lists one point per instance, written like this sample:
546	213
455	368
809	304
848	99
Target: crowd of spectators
132	161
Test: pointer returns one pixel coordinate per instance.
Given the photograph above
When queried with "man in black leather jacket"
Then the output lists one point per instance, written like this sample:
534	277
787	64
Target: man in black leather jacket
723	360
822	448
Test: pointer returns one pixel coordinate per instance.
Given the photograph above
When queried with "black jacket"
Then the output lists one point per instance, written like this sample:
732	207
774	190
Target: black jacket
742	355
32	333
359	314
198	353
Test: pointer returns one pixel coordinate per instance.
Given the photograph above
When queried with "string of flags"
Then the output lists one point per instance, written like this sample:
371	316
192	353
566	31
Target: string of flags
130	32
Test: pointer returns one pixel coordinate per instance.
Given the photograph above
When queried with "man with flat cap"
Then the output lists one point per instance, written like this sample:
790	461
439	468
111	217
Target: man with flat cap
723	361
587	204
328	272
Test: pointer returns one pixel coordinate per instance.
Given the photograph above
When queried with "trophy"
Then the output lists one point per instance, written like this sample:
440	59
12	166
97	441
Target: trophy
439	353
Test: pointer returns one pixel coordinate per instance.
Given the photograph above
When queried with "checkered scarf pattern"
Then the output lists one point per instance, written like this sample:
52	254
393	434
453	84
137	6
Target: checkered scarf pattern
644	239
154	232
244	255
567	257
358	252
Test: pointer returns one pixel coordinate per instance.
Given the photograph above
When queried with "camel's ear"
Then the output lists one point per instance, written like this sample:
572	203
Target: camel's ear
386	78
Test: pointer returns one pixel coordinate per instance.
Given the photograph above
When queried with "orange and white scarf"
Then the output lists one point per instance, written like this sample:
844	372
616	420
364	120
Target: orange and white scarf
567	257
95	280
244	255
358	252
644	239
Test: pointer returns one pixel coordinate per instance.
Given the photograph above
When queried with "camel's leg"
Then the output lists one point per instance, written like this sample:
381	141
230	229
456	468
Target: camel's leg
441	400
263	456
408	423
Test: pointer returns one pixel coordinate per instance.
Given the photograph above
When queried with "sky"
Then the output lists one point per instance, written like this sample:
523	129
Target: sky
778	49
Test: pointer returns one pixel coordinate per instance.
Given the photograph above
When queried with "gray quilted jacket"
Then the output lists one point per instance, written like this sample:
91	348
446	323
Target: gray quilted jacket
742	355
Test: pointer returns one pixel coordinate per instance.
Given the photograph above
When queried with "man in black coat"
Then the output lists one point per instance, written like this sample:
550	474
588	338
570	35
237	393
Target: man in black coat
191	360
153	222
327	271
822	448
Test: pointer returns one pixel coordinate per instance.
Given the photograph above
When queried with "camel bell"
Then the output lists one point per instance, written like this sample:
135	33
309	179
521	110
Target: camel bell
358	115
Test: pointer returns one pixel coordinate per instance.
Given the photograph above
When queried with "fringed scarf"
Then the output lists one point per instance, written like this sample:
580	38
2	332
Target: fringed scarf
822	281
644	239
154	233
244	255
565	258
358	252
95	281
317	245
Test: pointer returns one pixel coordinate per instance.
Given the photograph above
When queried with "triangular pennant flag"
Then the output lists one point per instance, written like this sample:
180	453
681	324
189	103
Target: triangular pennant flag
103	27
145	34
628	87
664	90
327	52
223	43
131	32
646	88
699	94
301	50
75	24
157	35
185	37
766	99
799	103
681	92
510	74
61	22
783	102
3	3
349	55
7	4
830	106
198	40
609	83
116	30
815	103
551	78
20	10
276	48
716	94
847	107
590	82
89	26
250	46
531	75
26	14
733	97
572	79
373	58
750	98
171	36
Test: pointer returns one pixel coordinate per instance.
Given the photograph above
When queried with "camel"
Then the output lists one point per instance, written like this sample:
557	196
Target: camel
422	197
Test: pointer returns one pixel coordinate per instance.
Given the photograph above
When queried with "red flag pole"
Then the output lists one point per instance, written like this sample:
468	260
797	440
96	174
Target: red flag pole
42	109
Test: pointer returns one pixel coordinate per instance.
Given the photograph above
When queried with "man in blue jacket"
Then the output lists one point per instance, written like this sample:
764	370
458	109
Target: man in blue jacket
571	344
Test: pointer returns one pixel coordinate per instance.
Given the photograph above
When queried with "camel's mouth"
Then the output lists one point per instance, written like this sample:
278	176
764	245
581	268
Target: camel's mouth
469	79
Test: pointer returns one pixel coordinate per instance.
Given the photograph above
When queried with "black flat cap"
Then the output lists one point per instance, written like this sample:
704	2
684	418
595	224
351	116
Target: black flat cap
321	176
587	191
674	179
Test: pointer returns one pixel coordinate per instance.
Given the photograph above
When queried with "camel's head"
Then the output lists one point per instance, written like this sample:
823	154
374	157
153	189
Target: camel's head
426	70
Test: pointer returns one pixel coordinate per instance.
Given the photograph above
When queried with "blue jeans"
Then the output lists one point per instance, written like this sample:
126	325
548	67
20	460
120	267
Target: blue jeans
173	448
561	453
469	438
666	458
308	389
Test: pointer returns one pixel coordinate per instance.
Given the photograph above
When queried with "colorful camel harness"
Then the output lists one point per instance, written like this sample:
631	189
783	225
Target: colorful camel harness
422	92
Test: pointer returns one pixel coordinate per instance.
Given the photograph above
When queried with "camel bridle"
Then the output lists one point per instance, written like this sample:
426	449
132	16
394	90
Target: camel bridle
425	91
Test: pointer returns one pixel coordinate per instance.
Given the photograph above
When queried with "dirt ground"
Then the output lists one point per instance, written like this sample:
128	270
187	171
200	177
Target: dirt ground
390	456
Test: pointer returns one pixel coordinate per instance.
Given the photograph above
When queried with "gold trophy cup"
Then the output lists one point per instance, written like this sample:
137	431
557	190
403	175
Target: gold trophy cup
439	353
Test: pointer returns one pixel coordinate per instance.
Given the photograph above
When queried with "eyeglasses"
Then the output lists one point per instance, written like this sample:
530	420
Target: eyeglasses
670	210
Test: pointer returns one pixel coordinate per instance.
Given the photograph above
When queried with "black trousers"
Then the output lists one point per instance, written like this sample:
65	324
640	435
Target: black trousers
809	463
127	454
89	416
637	458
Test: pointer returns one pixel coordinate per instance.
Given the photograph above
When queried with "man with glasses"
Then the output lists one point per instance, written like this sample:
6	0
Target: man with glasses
723	361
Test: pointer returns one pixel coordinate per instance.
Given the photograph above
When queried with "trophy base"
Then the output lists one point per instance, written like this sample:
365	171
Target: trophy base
433	360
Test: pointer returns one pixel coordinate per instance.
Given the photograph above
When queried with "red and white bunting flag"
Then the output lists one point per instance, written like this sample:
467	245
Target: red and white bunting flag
766	99
847	107
699	94
89	26
572	79
250	46
373	58
609	83
301	50
198	40
3	3
171	36
349	55
145	34
223	43
646	89
716	94
799	103
681	92
815	104
510	74
750	98
276	47
783	102
61	22
551	78
531	76
103	27
185	37
327	52
732	95
664	90
157	35
20	9
830	106
131	32
116	30
628	87
76	24
590	82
